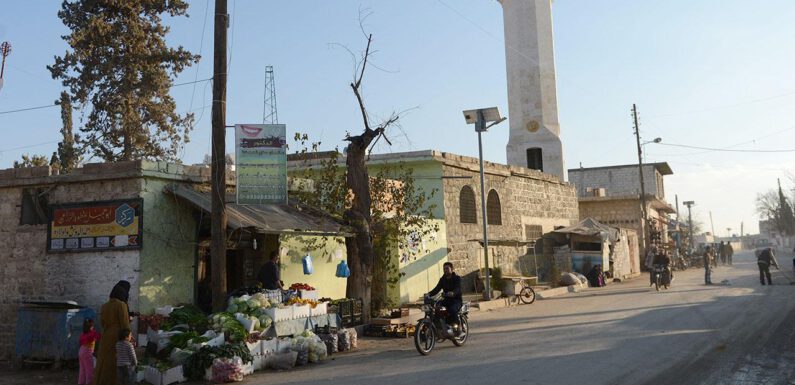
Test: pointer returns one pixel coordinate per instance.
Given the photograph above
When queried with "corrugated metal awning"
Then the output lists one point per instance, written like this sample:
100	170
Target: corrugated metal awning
289	218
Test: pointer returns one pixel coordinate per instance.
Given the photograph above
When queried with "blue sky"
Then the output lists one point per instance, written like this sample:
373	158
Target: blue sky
703	73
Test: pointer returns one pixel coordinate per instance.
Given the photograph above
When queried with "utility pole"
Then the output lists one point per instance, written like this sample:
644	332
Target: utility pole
5	49
690	222
642	186
218	217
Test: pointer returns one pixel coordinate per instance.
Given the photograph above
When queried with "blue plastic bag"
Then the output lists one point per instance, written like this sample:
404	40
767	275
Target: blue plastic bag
307	262
343	271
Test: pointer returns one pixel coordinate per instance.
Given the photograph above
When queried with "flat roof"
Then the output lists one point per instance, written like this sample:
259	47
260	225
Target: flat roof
662	167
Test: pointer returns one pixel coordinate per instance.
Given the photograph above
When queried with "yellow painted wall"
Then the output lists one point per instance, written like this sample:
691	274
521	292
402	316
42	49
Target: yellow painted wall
326	253
421	263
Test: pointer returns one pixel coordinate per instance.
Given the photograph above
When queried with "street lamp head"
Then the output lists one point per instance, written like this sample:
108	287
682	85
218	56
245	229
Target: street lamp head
491	114
657	140
689	203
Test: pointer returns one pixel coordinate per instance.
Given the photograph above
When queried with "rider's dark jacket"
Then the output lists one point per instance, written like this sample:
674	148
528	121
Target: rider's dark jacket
446	285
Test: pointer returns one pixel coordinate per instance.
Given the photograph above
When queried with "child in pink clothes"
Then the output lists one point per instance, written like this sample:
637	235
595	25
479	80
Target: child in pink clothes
88	339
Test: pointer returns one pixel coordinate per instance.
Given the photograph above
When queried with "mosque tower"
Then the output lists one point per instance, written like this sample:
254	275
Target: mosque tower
534	140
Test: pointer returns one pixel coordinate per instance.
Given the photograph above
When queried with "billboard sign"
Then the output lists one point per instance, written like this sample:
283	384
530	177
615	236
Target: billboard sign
95	226
261	163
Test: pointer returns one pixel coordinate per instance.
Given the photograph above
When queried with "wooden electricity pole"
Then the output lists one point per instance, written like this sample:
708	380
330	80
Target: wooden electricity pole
643	232
218	188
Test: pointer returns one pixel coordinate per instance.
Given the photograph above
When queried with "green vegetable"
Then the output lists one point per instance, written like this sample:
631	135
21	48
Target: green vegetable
197	364
188	315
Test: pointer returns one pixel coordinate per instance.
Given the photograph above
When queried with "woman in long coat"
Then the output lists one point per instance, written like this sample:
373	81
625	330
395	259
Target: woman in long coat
114	316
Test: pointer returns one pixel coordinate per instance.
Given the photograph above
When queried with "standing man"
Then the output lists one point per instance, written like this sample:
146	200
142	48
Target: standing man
722	252
729	252
709	256
763	261
269	275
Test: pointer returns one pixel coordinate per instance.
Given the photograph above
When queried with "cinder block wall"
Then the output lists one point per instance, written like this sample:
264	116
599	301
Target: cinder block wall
618	181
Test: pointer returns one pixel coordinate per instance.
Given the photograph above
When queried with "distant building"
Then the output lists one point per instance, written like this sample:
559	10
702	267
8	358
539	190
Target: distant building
611	195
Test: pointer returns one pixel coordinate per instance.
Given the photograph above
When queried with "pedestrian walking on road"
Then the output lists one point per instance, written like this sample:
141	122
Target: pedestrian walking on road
729	252
709	258
764	260
722	252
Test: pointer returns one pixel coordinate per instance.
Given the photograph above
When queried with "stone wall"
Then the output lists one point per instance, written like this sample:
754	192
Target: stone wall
28	272
618	181
527	197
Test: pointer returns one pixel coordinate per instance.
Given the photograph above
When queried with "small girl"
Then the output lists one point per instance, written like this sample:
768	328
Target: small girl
86	355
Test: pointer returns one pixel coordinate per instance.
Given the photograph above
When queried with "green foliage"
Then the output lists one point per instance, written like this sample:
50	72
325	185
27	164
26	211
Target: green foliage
68	156
775	206
197	363
31	161
119	63
400	209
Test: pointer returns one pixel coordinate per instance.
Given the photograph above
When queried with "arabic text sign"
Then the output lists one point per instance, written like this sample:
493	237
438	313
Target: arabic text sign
261	163
91	226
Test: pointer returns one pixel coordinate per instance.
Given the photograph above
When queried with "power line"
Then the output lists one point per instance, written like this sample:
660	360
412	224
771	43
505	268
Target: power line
720	107
721	149
28	109
28	146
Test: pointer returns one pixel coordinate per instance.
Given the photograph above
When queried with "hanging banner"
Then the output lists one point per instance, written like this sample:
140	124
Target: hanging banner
93	226
261	163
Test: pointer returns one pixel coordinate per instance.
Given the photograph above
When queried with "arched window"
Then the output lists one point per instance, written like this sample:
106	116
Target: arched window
466	206
493	208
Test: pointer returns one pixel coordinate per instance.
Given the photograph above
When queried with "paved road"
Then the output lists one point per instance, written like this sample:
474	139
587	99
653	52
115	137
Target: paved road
626	333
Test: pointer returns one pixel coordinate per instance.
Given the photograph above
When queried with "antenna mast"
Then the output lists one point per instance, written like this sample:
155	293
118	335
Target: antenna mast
270	114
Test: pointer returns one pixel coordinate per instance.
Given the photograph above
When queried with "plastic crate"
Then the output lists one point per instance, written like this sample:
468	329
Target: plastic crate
350	312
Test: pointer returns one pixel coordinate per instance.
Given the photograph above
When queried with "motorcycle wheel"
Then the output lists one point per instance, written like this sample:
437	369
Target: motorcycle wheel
657	282
462	338
424	337
527	295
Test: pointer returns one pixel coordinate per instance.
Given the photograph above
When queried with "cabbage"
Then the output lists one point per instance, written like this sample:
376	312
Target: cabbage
252	304
265	321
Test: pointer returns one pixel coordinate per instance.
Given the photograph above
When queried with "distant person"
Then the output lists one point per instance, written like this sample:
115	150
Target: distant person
269	275
709	256
126	361
763	261
729	252
722	253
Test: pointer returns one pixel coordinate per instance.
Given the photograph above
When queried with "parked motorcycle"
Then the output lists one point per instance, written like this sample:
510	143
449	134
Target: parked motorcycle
661	277
433	328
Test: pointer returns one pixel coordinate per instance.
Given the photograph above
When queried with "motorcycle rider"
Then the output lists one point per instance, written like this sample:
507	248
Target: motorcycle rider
450	286
663	259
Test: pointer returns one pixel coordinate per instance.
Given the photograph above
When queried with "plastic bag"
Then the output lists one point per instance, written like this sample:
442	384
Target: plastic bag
343	271
344	340
331	340
283	361
307	262
227	370
301	347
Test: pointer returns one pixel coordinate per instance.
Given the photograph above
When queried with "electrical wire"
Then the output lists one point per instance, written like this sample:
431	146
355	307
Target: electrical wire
27	109
724	149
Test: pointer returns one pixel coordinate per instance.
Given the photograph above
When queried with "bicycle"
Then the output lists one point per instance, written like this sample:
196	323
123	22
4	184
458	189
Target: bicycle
526	294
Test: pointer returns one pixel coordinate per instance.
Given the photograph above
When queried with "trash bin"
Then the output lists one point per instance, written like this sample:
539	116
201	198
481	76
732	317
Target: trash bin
50	331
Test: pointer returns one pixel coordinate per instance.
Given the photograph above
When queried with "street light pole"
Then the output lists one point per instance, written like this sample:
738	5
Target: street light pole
480	117
480	127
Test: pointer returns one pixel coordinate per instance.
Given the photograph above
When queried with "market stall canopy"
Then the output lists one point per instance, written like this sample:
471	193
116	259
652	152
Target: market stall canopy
293	218
591	227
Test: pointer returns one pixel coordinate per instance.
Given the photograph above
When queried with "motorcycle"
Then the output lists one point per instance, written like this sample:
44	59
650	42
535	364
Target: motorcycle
433	328
661	276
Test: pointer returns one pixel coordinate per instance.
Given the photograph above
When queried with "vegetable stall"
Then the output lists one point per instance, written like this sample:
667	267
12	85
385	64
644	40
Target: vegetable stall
258	331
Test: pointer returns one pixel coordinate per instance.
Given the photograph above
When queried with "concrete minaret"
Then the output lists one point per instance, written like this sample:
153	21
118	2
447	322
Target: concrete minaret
534	139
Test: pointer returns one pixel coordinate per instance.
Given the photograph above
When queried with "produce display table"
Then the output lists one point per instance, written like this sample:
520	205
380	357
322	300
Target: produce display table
297	326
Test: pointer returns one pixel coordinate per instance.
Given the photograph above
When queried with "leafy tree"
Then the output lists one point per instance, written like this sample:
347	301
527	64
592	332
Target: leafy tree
400	210
68	156
120	63
32	161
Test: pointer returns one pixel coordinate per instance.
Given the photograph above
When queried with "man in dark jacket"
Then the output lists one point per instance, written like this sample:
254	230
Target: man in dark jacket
450	286
269	275
763	261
